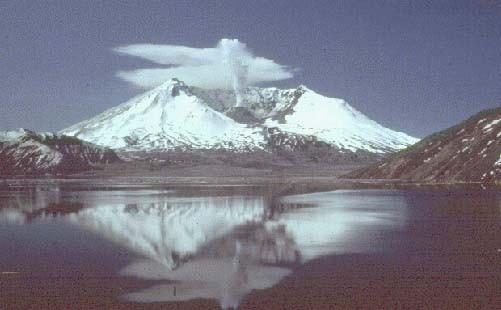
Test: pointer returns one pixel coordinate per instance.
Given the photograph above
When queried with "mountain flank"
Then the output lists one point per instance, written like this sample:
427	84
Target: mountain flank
467	152
24	152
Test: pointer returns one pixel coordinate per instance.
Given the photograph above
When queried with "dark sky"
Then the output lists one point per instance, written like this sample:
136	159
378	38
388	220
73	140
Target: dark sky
414	66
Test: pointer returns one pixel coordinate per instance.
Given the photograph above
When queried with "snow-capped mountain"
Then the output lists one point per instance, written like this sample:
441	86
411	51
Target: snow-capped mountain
176	116
26	152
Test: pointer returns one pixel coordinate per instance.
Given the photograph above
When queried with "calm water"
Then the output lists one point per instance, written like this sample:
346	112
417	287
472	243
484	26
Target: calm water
63	246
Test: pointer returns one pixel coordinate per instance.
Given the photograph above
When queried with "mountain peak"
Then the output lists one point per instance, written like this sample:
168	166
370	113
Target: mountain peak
304	88
172	82
14	135
174	87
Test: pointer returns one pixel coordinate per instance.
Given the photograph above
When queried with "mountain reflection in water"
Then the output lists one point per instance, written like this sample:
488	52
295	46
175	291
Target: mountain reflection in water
219	247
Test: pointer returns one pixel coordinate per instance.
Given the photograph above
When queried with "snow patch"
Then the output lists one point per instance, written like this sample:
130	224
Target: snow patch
497	163
490	125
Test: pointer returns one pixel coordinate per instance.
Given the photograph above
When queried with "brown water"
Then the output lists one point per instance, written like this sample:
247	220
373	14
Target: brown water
65	246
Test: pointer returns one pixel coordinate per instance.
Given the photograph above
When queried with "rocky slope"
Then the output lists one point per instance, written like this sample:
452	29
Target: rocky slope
23	152
468	152
177	117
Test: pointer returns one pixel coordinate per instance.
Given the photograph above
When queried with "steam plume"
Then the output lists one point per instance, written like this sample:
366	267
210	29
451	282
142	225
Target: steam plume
235	55
229	65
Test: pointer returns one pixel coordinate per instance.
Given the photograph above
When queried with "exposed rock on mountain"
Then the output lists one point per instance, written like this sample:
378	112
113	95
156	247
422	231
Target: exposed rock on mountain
468	152
23	152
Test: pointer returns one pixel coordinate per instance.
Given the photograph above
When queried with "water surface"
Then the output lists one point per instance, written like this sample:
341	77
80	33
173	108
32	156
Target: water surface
250	247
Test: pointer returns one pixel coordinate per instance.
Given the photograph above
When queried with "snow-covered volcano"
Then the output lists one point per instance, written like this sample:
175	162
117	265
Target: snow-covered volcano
174	116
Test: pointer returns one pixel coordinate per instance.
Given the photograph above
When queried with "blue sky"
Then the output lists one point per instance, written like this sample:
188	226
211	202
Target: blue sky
413	66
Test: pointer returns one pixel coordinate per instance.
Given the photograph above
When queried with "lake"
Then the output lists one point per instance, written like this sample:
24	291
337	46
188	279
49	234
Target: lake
80	246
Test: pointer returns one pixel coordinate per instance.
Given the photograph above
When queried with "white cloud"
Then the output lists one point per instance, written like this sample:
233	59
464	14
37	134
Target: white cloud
203	67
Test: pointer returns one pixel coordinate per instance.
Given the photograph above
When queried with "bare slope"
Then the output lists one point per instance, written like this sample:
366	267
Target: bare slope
468	152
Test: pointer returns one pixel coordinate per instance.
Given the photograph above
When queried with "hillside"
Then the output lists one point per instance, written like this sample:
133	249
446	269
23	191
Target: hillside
467	152
24	152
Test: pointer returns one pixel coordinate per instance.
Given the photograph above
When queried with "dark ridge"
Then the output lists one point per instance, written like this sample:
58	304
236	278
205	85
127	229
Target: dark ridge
466	152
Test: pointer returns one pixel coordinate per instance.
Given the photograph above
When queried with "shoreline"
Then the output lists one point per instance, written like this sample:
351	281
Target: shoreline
239	181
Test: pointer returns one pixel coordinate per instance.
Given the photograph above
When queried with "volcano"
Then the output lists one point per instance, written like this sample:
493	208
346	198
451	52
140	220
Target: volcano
175	116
